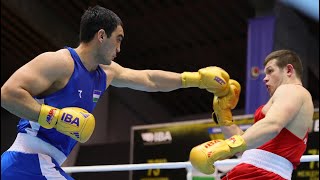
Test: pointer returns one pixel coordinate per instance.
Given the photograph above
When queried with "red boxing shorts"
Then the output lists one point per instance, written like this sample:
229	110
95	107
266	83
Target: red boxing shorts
256	164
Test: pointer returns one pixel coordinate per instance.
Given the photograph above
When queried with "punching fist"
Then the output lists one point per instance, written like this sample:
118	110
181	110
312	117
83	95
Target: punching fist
204	155
71	121
222	105
212	78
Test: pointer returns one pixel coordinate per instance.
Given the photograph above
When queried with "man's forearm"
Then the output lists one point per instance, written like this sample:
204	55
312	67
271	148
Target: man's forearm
231	130
260	133
21	104
165	80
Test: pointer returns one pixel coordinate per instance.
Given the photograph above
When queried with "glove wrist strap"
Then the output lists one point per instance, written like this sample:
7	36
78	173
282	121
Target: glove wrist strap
222	120
190	79
48	116
236	144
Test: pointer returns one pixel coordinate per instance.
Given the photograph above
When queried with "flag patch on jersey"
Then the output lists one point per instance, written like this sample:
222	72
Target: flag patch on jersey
96	95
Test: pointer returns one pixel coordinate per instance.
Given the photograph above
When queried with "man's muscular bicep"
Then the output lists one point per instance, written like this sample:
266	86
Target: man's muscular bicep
39	74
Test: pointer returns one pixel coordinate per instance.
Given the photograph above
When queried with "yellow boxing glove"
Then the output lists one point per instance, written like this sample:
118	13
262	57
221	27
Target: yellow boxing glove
204	155
222	105
71	121
212	78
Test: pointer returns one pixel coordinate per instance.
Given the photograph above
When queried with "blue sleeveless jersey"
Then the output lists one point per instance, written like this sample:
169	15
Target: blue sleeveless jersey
83	90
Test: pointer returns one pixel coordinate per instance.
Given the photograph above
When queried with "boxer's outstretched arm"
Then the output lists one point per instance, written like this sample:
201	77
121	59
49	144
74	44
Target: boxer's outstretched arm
143	80
214	79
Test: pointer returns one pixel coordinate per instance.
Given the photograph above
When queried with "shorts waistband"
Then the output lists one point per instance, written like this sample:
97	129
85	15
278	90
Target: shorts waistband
27	143
268	161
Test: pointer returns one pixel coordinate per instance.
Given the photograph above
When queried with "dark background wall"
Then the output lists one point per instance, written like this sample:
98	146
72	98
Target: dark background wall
175	35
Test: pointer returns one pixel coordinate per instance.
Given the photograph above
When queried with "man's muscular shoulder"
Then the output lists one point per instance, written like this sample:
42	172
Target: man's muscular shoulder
62	61
57	67
113	71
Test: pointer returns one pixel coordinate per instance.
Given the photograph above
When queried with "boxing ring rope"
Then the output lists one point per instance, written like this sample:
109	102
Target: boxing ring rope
172	165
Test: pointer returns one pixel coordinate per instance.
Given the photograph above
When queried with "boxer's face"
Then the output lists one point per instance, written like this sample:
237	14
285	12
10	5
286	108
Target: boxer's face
110	46
274	76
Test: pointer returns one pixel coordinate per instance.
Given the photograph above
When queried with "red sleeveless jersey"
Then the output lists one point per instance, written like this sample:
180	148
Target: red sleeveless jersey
285	144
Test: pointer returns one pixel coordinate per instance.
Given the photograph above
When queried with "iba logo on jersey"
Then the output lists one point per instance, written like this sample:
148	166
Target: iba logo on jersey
96	95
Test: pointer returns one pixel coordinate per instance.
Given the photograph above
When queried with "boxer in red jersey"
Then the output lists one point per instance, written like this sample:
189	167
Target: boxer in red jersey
273	145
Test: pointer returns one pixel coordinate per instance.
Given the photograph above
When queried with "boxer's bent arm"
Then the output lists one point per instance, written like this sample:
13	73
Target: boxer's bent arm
143	80
30	80
285	106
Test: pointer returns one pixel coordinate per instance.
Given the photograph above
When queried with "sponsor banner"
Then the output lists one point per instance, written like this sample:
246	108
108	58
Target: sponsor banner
172	142
260	44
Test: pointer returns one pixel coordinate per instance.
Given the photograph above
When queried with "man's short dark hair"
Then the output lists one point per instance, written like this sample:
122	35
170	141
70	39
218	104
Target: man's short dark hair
96	18
285	57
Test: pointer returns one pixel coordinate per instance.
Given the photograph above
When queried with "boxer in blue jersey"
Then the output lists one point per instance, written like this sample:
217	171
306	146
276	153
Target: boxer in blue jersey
55	93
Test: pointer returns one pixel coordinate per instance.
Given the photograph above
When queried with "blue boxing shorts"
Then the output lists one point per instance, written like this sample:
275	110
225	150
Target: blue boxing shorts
20	161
